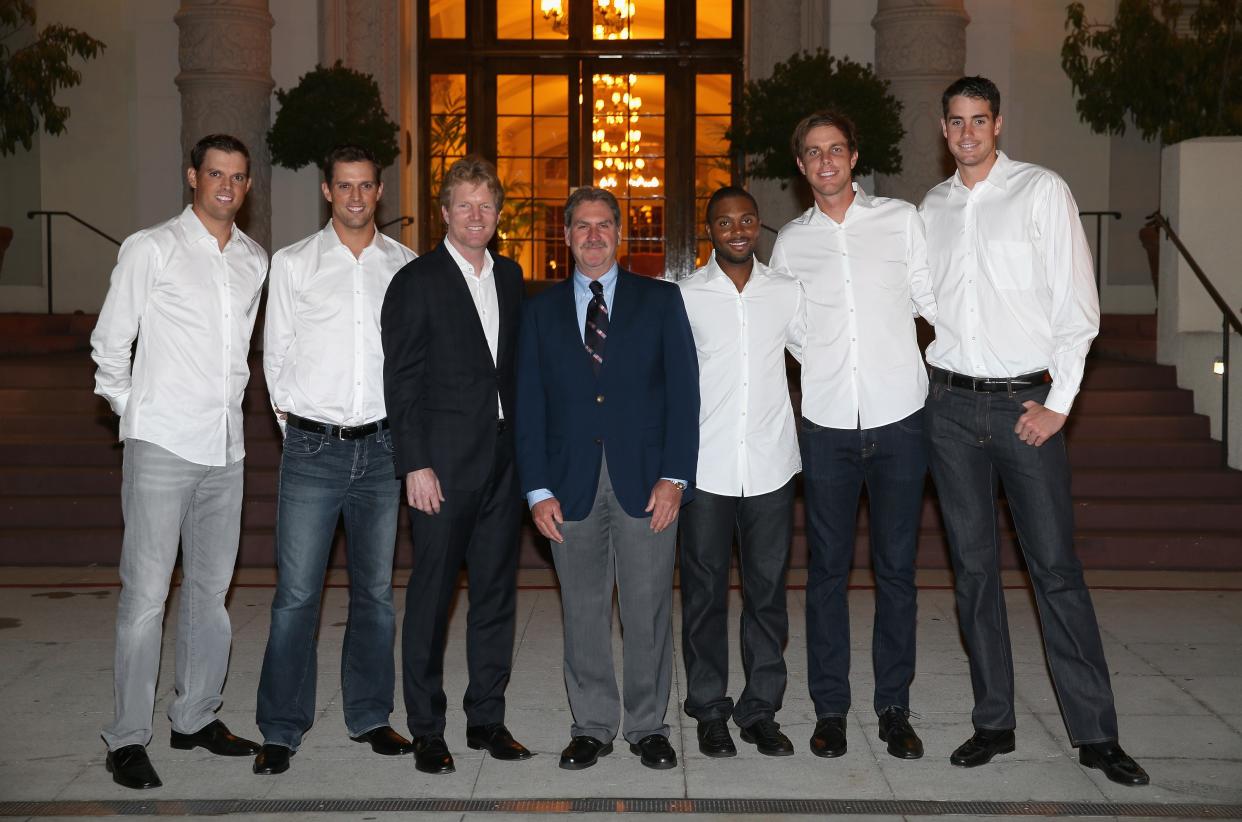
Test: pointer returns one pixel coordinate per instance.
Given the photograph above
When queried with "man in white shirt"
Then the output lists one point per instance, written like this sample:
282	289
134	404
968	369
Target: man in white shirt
188	290
862	263
325	376
742	315
1017	313
449	327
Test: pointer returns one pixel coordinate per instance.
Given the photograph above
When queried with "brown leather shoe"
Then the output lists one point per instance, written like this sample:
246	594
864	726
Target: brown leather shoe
431	755
497	741
385	741
829	737
216	738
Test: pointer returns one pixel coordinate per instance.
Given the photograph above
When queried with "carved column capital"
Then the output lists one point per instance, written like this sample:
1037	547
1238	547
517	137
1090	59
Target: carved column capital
225	56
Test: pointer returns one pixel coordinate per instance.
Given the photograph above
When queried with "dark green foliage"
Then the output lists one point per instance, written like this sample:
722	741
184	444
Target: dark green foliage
32	74
807	82
330	107
1172	76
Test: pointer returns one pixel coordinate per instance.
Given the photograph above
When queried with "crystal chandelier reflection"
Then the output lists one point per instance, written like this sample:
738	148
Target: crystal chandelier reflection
612	18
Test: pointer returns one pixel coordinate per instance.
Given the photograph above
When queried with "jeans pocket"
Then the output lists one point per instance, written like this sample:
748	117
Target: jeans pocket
299	443
385	440
912	424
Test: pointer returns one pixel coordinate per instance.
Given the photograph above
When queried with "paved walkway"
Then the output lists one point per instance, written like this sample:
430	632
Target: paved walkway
1173	644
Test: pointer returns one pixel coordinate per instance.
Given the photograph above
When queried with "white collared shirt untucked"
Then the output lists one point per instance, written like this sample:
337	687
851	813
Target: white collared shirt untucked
748	442
1013	278
482	286
864	279
192	308
322	355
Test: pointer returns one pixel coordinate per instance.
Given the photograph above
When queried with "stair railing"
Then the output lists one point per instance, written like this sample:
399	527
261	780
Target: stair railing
1229	321
404	219
47	232
1099	229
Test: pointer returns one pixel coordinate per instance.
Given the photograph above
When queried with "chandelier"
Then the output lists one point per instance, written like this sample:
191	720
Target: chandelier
612	18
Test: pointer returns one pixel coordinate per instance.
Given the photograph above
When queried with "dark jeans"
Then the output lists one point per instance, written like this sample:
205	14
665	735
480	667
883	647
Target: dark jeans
321	478
836	462
480	528
764	526
972	445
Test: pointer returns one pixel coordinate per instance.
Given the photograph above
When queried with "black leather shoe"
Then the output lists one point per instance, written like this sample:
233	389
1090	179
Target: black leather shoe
980	748
431	755
583	752
272	759
895	729
385	741
131	768
215	738
497	741
715	740
829	737
1114	762
767	738
655	751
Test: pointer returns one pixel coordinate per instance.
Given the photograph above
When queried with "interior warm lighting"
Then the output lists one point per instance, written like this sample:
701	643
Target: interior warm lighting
1218	367
612	18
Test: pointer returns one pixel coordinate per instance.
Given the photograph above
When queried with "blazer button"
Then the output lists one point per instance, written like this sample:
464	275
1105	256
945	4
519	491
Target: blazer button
599	399
599	440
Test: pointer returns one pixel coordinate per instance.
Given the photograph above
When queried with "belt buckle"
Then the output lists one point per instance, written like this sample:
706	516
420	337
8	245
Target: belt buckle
340	433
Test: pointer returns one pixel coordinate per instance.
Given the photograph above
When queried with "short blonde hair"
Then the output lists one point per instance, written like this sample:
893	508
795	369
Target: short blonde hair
473	169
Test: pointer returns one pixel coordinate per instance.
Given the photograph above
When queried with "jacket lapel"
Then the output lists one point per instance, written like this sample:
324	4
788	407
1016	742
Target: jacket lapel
457	286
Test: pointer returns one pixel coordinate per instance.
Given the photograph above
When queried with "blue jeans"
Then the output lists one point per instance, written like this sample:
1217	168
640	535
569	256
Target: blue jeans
836	462
320	478
972	444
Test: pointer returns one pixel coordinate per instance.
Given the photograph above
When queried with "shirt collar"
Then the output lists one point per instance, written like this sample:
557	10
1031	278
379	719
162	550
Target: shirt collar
196	231
330	240
998	176
465	265
861	200
713	271
583	282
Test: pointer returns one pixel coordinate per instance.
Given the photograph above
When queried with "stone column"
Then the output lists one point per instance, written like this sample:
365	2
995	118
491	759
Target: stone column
225	52
365	35
920	47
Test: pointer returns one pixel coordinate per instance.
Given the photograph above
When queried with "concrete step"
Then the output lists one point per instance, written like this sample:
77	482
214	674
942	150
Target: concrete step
1120	374
1137	349
1128	325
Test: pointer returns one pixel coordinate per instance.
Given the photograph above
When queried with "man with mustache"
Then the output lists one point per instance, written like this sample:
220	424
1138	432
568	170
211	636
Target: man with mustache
608	408
188	290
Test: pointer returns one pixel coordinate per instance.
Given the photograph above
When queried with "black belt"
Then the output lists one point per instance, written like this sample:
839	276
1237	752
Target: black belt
340	432
989	385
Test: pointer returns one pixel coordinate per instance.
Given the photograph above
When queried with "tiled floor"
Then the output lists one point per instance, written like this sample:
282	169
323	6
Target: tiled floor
1175	654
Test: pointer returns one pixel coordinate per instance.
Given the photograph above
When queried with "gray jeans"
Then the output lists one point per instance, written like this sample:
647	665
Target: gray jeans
164	497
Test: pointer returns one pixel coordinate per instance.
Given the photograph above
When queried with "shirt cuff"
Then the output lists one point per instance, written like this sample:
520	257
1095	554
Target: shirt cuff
1059	401
537	496
676	481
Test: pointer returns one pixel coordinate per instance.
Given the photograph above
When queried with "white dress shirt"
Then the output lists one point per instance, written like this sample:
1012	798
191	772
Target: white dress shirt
748	443
322	355
195	306
864	279
482	286
1013	278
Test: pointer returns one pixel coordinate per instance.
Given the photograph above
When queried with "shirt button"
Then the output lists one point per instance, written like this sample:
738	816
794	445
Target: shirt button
599	399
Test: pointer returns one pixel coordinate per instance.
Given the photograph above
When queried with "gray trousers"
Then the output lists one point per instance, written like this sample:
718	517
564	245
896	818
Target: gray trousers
163	498
610	547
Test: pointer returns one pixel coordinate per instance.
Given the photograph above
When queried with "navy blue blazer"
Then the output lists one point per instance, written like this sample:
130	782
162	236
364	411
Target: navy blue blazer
642	411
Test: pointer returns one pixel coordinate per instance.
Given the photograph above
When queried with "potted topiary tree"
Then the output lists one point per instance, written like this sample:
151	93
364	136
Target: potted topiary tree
328	107
806	82
1171	75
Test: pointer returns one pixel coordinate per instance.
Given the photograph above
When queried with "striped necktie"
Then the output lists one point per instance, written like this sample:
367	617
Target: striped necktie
595	334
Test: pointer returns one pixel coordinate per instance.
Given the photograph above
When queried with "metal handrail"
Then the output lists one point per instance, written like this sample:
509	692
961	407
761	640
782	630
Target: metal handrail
404	219
47	222
1099	215
1229	320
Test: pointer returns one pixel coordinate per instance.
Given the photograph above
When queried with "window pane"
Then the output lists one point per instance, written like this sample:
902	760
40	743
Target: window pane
513	94
628	19
713	19
709	135
513	136
446	18
713	93
532	19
